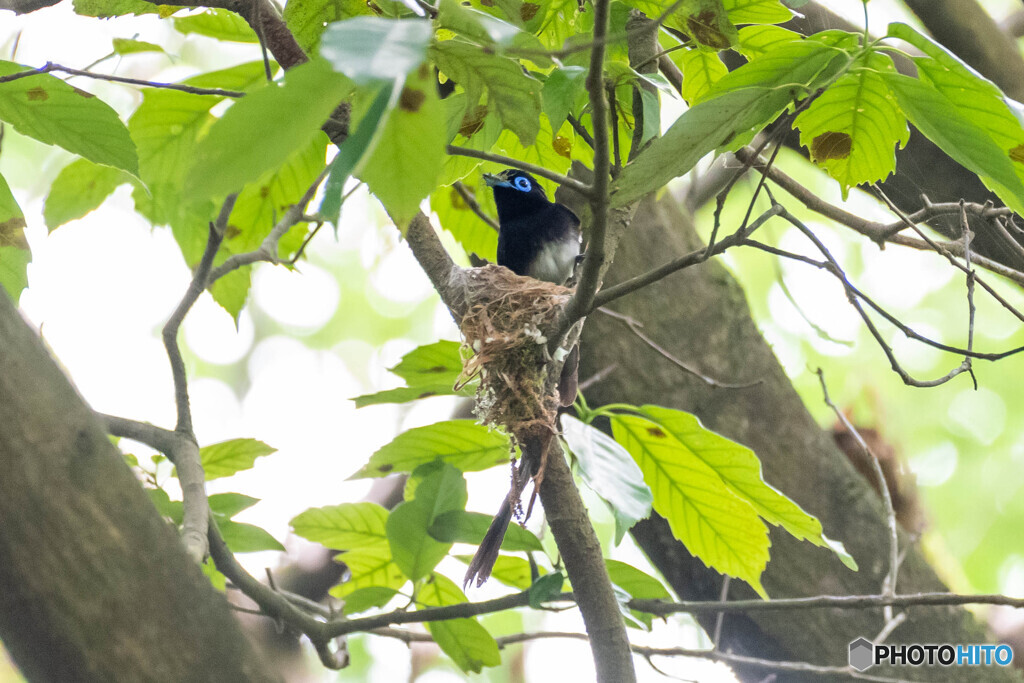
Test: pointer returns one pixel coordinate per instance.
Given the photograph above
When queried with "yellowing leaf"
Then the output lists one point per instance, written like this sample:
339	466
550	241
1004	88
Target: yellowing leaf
349	526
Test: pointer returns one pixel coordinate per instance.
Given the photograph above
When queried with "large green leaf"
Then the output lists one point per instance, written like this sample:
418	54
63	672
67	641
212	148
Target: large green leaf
757	40
282	117
563	90
746	99
958	136
14	250
51	111
511	94
372	49
553	152
227	457
441	489
247	538
369	567
701	70
714	523
853	128
740	470
608	469
227	505
464	444
117	8
349	526
468	643
459	526
217	23
978	102
78	189
408	157
638	585
307	19
429	370
757	11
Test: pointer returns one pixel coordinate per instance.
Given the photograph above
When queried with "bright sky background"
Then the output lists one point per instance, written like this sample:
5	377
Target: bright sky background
101	288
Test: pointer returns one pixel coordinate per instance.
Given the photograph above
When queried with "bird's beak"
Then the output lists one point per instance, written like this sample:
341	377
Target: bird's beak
492	180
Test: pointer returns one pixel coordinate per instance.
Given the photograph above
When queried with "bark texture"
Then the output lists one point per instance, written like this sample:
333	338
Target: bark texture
701	316
94	585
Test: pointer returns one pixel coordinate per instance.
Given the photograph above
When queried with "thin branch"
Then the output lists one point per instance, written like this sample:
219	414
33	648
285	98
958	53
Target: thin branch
634	327
571	183
606	296
889	583
267	251
474	205
51	67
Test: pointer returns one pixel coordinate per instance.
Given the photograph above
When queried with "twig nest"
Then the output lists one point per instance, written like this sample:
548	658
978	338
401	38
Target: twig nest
505	335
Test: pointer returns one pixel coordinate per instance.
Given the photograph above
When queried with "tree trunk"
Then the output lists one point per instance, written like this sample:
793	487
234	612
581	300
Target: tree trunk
94	585
701	316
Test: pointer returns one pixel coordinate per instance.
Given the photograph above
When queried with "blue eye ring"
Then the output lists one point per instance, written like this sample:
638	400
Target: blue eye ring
521	183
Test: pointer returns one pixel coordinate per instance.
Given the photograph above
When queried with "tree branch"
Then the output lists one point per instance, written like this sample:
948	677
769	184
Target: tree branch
565	180
191	89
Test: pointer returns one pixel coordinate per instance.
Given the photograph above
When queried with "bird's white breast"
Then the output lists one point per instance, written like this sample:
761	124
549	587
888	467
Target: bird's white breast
555	261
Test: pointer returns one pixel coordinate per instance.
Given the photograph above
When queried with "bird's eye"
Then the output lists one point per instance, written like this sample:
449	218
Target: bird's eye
522	183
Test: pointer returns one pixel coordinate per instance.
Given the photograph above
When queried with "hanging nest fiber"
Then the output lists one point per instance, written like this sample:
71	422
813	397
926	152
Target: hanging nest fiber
504	330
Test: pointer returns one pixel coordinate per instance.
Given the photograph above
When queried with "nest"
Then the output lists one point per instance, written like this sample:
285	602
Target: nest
504	332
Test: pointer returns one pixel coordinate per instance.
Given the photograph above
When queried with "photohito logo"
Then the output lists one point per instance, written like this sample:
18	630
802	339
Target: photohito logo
864	654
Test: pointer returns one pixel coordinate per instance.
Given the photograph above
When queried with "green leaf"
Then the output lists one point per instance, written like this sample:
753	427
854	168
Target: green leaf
464	444
14	250
511	94
441	489
426	364
247	538
371	566
757	41
610	471
459	526
740	470
51	111
757	11
715	524
958	136
853	128
701	70
117	8
228	505
546	589
636	584
455	216
372	49
562	91
127	46
363	599
408	157
231	291
349	526
745	99
307	18
351	153
468	643
217	580
978	102
475	25
514	572
78	189
227	457
549	150
283	117
217	23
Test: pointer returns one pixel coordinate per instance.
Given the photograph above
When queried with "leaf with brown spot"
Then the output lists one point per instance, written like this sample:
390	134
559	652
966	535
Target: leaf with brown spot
473	121
562	146
411	99
84	93
528	10
1017	154
12	233
656	432
37	94
831	145
705	27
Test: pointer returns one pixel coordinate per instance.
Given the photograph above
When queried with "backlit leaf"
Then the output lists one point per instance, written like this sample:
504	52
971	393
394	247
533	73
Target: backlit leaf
464	444
348	526
227	457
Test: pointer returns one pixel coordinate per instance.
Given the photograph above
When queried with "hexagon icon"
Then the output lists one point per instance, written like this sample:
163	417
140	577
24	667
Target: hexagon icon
862	653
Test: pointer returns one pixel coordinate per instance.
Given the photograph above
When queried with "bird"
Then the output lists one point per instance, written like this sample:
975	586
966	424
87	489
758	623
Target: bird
538	238
541	239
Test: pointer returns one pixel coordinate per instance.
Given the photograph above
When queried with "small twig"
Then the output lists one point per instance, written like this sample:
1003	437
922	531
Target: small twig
889	584
50	67
614	116
634	327
581	131
473	204
716	639
598	376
